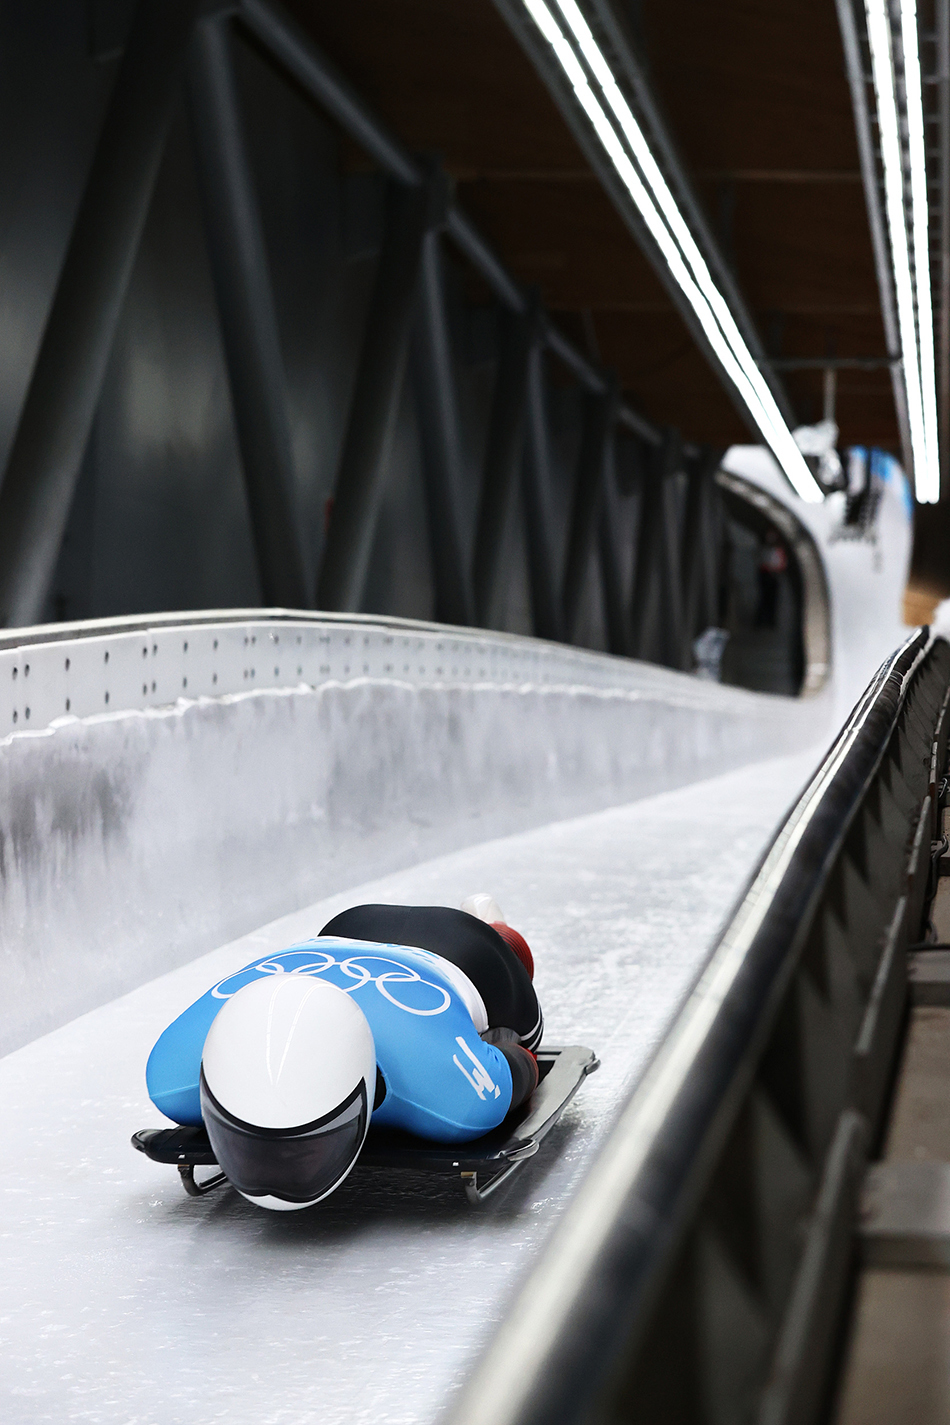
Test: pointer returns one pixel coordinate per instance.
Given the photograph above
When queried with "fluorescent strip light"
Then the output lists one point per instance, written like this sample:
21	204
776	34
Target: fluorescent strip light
883	73
669	230
668	206
928	486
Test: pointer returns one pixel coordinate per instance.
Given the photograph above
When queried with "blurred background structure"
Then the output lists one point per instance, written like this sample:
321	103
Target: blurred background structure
350	307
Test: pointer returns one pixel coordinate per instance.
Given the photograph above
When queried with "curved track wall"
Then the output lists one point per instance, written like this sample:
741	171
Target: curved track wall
156	826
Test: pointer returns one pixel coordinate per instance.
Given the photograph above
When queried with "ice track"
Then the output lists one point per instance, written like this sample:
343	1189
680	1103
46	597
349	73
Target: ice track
121	1300
253	761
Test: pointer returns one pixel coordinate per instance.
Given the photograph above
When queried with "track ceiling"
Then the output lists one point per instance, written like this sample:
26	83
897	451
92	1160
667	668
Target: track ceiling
758	103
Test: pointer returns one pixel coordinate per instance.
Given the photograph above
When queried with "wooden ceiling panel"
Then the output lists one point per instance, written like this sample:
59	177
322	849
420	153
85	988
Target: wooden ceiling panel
548	233
758	105
803	246
667	377
752	83
447	76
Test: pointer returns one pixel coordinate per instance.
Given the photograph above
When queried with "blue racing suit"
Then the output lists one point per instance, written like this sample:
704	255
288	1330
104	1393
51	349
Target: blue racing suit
440	1080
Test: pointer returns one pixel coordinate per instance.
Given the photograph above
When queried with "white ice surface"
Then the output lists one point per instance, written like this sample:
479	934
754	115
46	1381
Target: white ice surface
121	1300
132	842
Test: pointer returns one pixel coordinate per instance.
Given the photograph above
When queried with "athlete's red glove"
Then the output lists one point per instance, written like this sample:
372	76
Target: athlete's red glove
517	943
525	1075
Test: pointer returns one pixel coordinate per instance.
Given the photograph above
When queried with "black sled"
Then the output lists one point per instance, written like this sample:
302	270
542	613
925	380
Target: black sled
482	1165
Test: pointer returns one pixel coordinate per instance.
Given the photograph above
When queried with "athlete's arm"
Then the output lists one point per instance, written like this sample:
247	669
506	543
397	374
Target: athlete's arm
498	965
521	1062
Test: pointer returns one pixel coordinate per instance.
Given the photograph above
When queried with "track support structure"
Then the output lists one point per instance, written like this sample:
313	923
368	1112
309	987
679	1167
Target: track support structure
57	416
240	271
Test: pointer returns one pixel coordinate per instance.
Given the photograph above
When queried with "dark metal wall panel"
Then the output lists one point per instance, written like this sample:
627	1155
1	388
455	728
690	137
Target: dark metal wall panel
170	507
515	611
59	408
322	232
248	322
53	95
170	524
161	518
400	568
504	439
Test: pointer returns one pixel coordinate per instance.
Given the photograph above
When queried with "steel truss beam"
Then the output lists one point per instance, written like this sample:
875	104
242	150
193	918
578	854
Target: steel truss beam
375	403
656	614
441	442
60	405
536	491
502	456
594	469
615	611
409	295
518	413
296	53
241	278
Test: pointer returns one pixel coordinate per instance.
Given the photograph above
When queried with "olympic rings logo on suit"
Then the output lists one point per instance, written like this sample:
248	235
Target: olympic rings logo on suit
317	962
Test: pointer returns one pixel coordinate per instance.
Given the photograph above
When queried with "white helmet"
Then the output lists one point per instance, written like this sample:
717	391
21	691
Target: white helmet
288	1077
483	907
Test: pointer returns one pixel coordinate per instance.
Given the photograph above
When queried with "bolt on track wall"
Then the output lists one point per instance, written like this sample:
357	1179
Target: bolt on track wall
137	838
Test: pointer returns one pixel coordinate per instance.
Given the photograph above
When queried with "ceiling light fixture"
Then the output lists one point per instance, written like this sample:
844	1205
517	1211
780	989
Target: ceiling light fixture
661	214
920	228
911	282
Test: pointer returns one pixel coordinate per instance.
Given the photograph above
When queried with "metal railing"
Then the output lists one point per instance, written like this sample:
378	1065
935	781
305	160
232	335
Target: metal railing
701	1273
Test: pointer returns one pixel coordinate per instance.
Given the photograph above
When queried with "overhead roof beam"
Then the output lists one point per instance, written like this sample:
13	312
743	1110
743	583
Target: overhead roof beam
296	53
593	89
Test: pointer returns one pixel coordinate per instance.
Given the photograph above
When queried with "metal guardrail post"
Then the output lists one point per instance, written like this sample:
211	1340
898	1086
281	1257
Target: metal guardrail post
245	301
61	402
437	405
375	403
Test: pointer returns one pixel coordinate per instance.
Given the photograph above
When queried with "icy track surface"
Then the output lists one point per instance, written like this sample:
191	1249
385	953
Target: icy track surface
122	1300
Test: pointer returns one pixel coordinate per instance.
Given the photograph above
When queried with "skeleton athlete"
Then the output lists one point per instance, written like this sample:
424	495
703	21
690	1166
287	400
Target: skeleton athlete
422	1018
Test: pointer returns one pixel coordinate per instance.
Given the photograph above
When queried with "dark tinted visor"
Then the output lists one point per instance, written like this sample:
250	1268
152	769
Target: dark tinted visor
293	1164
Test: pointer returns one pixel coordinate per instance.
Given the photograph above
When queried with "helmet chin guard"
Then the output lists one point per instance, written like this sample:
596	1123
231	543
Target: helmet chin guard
288	1077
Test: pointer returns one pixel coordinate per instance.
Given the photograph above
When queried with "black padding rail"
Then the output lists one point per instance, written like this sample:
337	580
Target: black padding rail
701	1273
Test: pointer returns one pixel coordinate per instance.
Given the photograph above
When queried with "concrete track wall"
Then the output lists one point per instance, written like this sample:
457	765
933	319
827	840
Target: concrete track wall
134	840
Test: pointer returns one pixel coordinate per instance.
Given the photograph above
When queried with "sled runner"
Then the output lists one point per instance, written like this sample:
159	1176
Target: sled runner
482	1165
